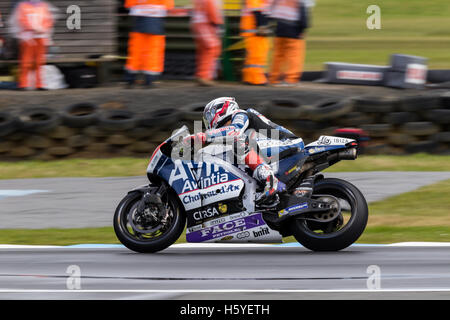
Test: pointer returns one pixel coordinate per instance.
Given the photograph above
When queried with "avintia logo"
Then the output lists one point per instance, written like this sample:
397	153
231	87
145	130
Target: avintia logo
205	182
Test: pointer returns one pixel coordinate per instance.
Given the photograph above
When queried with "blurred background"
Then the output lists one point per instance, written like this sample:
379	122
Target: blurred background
96	116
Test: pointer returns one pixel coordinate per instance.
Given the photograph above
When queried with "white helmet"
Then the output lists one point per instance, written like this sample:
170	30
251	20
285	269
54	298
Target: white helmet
218	111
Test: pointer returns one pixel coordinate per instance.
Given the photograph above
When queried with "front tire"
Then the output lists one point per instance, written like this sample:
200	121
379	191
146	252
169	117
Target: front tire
335	235
140	239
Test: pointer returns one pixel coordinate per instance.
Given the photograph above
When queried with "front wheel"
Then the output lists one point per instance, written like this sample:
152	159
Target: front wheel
342	231
149	229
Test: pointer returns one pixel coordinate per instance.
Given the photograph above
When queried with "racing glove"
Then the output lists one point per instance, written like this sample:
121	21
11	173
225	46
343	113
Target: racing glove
198	138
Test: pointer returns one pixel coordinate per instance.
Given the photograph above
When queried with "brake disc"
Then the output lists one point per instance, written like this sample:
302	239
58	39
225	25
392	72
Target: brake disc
330	215
140	221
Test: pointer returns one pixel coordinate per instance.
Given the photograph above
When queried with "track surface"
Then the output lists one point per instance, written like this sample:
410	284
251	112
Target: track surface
90	202
412	272
247	272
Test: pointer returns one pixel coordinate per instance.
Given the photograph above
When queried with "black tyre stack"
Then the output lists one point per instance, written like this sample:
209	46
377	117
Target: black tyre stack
395	125
83	130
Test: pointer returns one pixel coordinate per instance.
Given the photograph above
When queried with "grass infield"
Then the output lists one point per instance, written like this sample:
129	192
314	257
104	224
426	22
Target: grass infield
123	167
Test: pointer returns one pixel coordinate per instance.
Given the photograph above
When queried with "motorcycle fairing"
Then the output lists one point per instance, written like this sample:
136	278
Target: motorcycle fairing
244	226
239	227
327	143
285	157
197	183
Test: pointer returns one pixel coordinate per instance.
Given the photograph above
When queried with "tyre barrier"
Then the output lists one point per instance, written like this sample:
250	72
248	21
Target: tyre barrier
8	123
327	109
80	115
395	125
38	120
117	120
282	109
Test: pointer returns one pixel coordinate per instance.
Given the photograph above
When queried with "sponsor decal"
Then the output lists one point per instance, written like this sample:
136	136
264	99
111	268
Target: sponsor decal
292	209
187	199
291	170
155	159
271	143
324	140
223	208
194	228
204	214
239	215
316	150
261	232
218	231
215	221
243	235
416	73
225	228
205	182
302	192
327	140
283	213
186	172
359	75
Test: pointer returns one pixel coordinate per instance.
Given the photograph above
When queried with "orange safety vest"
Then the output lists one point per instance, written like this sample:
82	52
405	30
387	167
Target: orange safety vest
35	19
207	11
286	10
248	21
149	8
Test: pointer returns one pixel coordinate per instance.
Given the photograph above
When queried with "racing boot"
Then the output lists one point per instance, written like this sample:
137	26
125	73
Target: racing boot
268	198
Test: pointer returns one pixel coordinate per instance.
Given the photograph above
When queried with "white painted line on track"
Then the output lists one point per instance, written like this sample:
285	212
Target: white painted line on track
420	244
221	245
17	246
225	291
19	193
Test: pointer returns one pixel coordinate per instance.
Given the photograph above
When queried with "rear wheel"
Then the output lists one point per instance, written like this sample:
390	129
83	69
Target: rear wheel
151	228
344	229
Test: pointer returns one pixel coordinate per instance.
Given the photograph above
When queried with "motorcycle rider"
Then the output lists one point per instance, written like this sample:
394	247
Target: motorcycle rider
224	119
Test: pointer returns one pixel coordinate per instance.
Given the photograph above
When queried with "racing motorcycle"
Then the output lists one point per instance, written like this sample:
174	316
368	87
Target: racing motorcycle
215	199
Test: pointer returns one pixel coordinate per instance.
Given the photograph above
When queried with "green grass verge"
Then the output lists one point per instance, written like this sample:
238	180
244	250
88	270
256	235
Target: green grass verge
120	167
416	162
339	32
420	215
392	234
63	237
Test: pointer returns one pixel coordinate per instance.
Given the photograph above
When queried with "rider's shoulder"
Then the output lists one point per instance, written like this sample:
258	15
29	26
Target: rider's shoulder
239	112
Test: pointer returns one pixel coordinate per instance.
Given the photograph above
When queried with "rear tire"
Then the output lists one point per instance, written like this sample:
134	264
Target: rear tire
144	245
349	233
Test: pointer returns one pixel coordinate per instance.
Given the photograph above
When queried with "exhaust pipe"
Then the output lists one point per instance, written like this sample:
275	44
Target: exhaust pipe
347	154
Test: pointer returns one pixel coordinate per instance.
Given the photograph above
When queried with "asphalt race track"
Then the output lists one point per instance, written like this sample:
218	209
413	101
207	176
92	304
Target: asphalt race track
90	202
227	272
209	271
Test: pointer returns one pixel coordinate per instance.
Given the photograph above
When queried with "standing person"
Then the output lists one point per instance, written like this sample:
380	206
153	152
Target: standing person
255	30
291	18
206	24
146	46
32	23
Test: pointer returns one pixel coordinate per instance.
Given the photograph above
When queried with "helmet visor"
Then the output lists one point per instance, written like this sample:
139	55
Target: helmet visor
208	116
